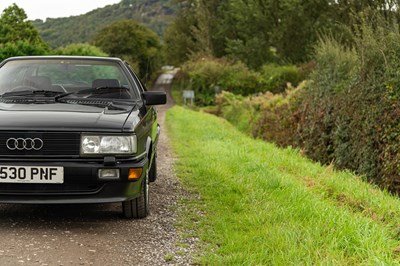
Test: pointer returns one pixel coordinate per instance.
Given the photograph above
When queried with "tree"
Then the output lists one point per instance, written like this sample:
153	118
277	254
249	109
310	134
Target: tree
15	27
250	26
80	49
257	32
178	39
135	43
20	48
17	35
195	30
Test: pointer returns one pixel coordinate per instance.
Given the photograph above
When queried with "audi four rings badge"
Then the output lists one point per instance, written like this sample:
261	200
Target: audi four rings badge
24	144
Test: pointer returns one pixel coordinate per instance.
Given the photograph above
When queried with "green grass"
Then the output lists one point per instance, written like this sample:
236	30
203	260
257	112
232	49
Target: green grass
261	205
177	91
177	96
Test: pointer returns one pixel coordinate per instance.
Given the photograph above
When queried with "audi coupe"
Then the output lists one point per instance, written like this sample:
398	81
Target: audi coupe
77	130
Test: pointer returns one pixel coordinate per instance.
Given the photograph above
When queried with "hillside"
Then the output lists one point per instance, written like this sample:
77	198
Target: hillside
154	14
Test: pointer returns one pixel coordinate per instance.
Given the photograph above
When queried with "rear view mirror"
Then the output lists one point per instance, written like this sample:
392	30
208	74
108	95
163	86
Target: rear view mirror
154	97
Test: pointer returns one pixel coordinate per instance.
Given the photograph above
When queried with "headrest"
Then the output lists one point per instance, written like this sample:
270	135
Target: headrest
110	83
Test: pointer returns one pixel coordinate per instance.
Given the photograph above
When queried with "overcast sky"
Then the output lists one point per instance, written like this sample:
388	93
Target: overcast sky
43	9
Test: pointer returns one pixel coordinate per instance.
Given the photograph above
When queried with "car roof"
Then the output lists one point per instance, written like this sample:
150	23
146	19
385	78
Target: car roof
44	57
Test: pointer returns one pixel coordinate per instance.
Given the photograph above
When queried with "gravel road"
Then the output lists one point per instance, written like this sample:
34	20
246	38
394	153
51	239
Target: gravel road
97	234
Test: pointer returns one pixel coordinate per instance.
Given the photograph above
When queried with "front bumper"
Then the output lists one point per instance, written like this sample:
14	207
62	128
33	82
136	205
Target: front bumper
81	184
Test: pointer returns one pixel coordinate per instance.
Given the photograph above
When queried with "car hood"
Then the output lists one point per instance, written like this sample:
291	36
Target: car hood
65	117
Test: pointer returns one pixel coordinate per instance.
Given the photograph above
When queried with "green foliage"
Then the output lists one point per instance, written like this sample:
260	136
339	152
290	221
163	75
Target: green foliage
84	49
208	76
58	32
277	119
260	205
20	48
267	31
349	112
248	27
277	77
177	41
14	27
17	35
336	74
352	115
133	42
272	117
236	110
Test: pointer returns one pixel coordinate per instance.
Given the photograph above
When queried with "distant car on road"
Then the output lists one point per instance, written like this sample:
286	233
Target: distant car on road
77	130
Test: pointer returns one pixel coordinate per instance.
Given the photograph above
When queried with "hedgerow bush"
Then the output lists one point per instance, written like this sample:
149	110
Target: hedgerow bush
278	117
328	116
347	114
238	110
276	78
352	106
208	76
272	117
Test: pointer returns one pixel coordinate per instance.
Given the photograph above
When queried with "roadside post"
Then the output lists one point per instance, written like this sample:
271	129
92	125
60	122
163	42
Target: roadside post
188	95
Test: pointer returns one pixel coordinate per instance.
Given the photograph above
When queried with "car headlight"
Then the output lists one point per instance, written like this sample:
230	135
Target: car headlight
108	144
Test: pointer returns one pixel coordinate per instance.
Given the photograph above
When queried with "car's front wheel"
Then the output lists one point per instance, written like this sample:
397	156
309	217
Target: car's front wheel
138	208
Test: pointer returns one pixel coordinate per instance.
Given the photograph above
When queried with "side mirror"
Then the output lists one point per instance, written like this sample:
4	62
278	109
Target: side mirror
154	97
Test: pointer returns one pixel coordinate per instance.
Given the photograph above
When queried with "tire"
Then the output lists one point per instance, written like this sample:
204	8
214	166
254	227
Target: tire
153	170
138	208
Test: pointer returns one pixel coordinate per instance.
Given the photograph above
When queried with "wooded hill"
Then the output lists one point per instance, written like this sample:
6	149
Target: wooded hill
155	14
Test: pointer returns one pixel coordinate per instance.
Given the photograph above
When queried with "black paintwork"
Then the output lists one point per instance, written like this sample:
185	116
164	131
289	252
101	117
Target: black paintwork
132	116
65	116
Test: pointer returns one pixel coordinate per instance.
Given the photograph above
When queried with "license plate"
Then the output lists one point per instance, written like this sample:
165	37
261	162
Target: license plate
31	174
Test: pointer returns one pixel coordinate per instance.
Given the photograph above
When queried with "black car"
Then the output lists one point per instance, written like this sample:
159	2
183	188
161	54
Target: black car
77	130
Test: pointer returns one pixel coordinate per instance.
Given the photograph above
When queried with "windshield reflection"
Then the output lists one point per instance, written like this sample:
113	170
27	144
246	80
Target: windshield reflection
64	78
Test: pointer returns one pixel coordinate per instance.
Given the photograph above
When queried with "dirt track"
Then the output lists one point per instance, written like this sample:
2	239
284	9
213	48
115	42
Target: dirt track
96	234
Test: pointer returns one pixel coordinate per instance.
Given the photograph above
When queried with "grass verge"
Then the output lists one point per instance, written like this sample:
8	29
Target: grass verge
263	205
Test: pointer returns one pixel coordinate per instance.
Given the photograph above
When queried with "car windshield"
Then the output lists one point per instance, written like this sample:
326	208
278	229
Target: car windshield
77	78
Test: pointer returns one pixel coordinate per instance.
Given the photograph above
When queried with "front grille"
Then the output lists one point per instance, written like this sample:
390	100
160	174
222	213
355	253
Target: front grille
65	144
46	189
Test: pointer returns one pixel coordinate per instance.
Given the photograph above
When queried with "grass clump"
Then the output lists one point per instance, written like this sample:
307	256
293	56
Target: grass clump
265	205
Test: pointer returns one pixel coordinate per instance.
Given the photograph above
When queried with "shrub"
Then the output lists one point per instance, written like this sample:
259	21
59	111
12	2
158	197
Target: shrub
277	77
20	48
278	120
207	76
272	117
352	114
326	121
347	114
84	49
238	110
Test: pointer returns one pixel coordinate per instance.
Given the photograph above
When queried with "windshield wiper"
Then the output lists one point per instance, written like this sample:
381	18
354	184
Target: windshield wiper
102	89
111	105
43	93
111	87
62	95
